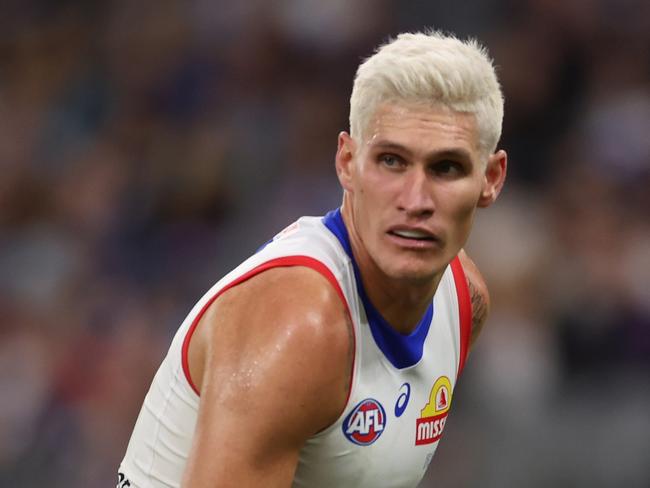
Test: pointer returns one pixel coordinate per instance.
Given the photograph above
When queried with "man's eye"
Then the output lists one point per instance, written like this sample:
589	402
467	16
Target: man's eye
390	160
448	167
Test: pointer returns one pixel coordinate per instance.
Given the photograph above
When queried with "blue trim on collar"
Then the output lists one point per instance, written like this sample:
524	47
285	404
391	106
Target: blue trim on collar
401	350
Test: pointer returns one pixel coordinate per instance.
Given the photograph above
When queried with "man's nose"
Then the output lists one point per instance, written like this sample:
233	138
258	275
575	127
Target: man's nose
416	198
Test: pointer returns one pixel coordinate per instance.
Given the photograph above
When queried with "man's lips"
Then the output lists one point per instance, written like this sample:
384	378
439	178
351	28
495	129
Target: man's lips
416	237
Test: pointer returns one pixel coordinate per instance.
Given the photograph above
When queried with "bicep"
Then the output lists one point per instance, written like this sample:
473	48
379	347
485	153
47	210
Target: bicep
269	381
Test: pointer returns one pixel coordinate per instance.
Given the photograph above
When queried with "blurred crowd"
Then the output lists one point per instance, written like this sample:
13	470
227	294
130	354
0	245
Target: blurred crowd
148	147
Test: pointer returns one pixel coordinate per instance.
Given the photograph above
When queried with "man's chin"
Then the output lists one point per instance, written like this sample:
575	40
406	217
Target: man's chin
414	274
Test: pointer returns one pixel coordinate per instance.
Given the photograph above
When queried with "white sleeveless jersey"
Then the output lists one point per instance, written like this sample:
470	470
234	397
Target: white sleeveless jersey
400	393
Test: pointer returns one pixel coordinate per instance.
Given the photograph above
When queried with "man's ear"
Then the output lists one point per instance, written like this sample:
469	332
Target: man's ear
495	177
344	159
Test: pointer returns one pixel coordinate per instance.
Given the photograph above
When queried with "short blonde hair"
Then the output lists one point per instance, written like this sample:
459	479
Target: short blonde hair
430	67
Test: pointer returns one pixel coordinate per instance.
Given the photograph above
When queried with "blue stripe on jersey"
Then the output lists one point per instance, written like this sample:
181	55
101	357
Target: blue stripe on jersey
401	350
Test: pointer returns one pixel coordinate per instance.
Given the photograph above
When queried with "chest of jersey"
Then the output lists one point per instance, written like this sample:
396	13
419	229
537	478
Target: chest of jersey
394	418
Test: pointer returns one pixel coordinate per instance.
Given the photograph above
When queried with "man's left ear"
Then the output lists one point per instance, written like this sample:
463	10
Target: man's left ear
495	177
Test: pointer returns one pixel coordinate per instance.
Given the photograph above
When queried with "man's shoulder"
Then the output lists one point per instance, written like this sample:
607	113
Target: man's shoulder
300	290
291	325
478	292
296	305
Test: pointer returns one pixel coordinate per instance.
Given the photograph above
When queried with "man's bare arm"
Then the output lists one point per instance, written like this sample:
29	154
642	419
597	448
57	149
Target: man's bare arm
273	360
478	293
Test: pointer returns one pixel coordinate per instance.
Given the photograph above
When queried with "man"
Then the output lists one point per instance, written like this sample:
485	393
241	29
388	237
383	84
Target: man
329	358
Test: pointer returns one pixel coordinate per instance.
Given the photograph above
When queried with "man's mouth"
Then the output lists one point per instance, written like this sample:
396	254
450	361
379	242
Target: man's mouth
416	236
413	234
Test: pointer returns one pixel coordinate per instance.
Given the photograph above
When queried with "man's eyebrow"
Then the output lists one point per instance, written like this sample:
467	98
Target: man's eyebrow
452	153
391	146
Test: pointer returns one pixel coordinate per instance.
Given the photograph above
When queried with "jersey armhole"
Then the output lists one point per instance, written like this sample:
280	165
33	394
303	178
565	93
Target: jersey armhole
464	311
284	261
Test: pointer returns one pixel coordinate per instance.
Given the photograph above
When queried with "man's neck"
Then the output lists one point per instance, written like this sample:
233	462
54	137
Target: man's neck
401	302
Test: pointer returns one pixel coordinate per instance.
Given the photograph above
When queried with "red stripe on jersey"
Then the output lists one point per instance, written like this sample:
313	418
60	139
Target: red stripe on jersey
464	310
285	261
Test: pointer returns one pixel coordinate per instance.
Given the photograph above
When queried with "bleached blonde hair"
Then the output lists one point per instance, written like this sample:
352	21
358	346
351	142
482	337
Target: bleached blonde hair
432	68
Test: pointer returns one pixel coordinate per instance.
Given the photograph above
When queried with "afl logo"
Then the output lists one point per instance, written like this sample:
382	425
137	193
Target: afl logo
365	423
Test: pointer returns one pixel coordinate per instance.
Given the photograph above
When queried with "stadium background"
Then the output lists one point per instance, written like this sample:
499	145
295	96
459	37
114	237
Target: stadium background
147	147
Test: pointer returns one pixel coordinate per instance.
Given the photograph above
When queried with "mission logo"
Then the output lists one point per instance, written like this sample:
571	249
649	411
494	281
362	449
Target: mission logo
429	427
365	423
